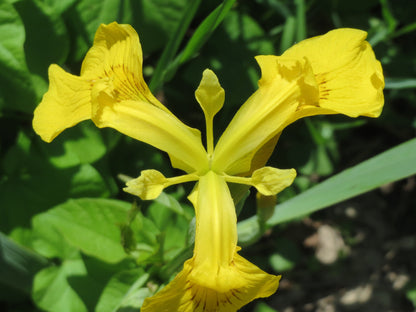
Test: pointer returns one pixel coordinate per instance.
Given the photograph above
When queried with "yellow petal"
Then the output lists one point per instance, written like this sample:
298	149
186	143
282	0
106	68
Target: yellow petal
148	123
281	91
148	186
215	235
182	295
210	95
111	91
216	279
116	59
350	78
267	180
270	181
123	101
66	103
151	183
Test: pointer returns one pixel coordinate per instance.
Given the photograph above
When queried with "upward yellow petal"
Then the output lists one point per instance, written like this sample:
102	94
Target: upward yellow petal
349	76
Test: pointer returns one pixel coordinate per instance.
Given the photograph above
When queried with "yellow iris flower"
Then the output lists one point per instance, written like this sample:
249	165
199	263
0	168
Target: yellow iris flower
333	73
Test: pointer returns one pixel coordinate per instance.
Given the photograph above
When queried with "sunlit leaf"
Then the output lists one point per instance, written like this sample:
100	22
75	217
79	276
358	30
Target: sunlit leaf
92	225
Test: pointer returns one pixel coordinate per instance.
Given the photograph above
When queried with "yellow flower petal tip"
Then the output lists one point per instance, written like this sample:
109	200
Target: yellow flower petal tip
148	186
209	94
184	295
270	181
349	77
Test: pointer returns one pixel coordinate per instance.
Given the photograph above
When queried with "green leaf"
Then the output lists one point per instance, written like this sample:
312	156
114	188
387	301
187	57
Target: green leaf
92	225
46	37
140	236
286	255
18	265
392	165
200	36
170	202
205	29
52	291
31	184
173	44
80	145
119	290
288	36
16	89
156	21
262	307
400	83
48	241
411	291
300	20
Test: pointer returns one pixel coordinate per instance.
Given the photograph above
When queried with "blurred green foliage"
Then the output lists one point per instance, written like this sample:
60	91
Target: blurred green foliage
71	240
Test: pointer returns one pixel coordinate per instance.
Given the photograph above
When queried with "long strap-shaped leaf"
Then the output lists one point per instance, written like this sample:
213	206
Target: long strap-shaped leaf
392	165
200	36
18	265
173	44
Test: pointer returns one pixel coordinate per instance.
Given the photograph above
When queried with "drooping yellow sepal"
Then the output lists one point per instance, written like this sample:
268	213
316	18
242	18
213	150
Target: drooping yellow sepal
349	76
184	295
112	92
216	278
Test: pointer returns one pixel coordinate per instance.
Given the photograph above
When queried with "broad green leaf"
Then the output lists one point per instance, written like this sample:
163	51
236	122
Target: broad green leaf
52	291
31	184
119	289
92	225
154	20
134	299
49	242
140	236
59	6
46	41
80	145
170	202
18	265
16	89
392	165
